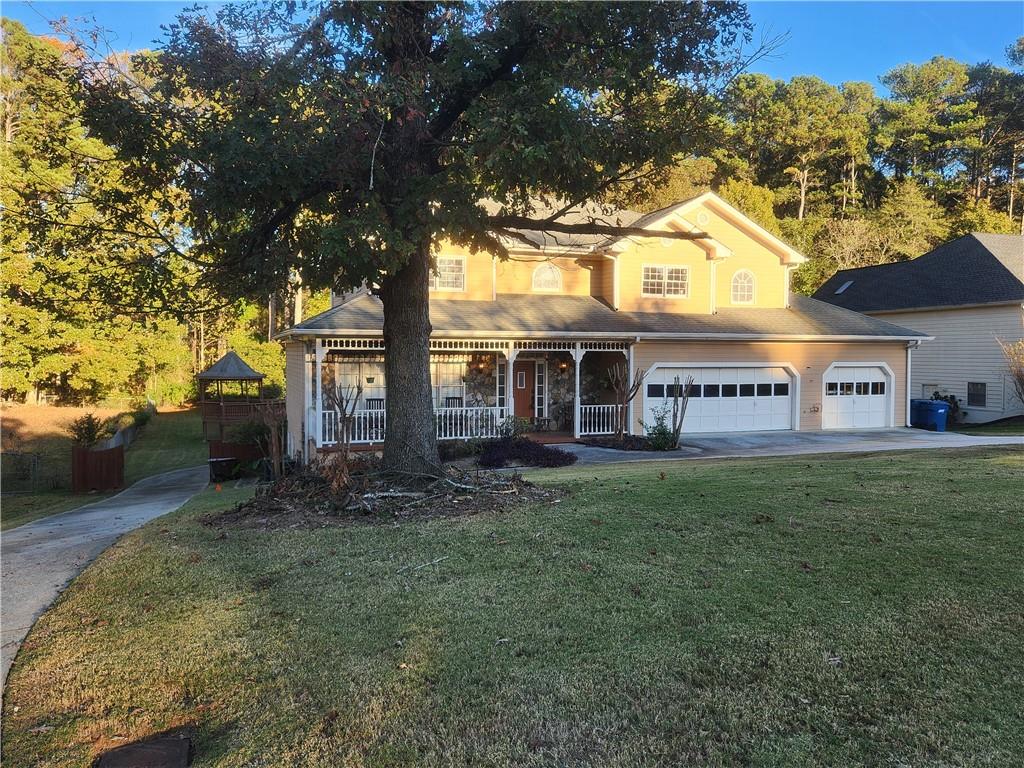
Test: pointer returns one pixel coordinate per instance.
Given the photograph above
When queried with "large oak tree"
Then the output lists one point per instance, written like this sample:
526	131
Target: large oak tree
341	140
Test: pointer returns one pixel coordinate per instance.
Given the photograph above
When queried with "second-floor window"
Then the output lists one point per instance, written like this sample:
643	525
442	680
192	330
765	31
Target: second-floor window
449	275
547	277
743	287
672	282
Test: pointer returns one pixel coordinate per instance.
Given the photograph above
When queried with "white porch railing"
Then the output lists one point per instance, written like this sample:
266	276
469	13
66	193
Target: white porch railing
464	423
597	419
366	426
452	424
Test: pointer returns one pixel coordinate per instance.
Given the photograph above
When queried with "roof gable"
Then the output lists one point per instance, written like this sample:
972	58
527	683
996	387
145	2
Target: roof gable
978	268
685	216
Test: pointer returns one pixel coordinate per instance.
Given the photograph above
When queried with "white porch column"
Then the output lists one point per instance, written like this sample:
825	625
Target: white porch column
577	358
629	410
307	400
510	358
318	406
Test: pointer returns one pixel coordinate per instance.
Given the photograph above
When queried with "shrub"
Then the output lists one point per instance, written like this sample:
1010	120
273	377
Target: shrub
513	427
460	449
87	430
272	391
627	443
660	436
142	416
250	433
522	451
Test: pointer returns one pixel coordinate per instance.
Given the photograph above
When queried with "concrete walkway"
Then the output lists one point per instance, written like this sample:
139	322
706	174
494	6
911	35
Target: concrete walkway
745	444
41	557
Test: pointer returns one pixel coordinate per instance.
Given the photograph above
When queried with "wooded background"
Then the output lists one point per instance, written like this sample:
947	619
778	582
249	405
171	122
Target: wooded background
846	175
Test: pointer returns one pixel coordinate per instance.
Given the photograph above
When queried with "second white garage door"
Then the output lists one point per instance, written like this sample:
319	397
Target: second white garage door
856	397
725	399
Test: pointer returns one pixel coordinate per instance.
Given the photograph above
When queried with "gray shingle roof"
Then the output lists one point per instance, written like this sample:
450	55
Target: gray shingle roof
974	269
231	368
587	316
586	213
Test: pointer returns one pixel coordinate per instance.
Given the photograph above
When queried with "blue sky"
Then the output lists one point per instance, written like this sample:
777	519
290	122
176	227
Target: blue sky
837	41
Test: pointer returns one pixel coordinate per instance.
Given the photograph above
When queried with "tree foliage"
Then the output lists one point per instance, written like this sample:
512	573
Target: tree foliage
340	140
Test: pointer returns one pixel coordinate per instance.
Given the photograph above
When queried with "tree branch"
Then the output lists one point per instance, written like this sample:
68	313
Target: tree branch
462	98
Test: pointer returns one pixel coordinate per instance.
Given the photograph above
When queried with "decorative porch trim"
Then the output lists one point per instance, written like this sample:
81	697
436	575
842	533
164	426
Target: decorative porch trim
376	344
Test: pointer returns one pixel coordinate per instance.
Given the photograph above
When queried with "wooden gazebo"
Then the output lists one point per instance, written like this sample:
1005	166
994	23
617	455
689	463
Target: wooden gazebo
224	407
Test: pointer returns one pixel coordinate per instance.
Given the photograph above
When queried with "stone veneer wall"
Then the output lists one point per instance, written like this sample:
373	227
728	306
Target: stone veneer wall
481	380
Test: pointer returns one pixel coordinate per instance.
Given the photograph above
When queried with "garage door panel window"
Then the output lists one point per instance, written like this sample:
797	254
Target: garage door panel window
781	390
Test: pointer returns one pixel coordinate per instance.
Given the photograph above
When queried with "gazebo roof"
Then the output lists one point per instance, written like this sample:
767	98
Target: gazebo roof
230	368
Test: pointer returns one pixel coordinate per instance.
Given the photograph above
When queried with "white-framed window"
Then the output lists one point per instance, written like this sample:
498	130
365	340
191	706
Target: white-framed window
449	274
547	277
977	394
665	282
448	380
743	287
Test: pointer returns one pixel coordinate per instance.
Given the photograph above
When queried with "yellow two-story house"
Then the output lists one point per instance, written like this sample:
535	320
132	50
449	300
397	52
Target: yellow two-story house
536	334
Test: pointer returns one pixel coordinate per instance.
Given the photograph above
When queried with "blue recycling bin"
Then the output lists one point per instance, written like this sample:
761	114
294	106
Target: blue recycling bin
929	414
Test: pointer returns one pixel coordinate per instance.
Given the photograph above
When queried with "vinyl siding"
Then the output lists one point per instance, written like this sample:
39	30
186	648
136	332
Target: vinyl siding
748	253
607	291
295	374
643	252
810	359
579	276
965	349
479	274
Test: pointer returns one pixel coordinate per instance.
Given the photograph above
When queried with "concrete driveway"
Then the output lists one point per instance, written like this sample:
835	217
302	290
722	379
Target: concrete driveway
40	558
739	444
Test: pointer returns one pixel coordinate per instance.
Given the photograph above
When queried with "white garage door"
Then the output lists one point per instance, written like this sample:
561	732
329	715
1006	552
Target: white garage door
856	398
725	399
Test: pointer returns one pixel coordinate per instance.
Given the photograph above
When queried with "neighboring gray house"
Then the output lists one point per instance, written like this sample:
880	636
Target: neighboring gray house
966	293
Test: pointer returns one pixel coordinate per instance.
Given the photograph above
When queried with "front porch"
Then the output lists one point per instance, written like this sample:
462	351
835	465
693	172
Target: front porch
558	388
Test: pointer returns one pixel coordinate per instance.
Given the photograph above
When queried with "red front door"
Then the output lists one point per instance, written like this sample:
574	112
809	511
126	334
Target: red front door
524	381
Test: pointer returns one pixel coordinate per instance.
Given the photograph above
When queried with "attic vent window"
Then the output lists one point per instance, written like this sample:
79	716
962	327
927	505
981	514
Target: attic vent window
843	287
547	277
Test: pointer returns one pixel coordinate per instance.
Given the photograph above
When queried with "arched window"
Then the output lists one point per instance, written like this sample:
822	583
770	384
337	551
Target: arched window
547	277
743	288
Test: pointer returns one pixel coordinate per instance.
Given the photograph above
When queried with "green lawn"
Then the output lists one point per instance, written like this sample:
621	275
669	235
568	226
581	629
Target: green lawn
811	611
1011	426
171	440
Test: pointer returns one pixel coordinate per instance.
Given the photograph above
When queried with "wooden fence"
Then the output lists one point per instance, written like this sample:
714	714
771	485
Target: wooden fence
96	470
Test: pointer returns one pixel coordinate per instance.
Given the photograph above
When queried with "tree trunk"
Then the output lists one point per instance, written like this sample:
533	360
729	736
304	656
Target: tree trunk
1013	179
410	442
803	177
846	189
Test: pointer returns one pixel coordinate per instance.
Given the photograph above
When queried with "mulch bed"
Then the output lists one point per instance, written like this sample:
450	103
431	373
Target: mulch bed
314	499
627	443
